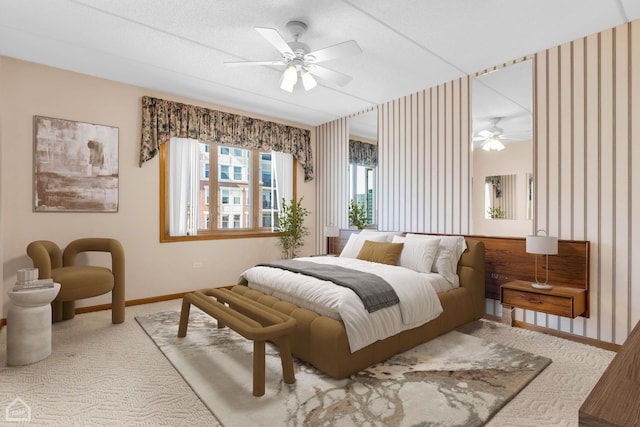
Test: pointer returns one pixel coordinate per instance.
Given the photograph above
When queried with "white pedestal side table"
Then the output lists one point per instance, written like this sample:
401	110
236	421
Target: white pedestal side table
29	325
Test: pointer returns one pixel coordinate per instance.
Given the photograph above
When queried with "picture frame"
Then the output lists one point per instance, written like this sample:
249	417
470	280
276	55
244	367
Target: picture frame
75	166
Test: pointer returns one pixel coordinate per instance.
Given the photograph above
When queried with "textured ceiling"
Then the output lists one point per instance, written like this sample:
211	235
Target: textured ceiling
179	46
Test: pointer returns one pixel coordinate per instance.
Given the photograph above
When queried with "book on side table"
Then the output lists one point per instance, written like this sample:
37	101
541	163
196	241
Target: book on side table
33	284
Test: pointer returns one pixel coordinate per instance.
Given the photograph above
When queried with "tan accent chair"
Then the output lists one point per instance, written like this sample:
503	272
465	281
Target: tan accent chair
80	281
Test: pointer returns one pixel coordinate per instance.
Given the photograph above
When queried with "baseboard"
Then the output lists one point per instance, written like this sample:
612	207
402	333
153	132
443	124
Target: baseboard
90	309
565	335
129	303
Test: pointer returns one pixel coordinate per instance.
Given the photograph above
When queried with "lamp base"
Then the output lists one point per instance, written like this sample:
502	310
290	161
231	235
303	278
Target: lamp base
541	286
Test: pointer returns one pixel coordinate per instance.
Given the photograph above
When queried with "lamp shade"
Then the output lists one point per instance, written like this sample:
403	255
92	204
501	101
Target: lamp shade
331	231
308	81
545	245
493	144
289	78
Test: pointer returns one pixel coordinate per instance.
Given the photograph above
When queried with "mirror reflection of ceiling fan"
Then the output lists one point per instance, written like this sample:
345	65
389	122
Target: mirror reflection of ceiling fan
492	138
300	60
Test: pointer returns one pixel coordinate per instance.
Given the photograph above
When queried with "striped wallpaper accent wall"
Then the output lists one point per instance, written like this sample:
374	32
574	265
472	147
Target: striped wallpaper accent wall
332	175
586	168
424	165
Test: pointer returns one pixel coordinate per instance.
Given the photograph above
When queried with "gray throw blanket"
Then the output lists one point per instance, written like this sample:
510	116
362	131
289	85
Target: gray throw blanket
373	290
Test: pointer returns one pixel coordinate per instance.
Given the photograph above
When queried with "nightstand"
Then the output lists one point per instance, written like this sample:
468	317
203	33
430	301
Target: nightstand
560	300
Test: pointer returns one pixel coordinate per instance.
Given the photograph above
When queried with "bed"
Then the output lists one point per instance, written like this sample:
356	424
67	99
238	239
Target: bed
322	339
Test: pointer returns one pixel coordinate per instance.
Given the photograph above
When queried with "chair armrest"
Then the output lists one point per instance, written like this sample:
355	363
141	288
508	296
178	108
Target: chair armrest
46	256
97	244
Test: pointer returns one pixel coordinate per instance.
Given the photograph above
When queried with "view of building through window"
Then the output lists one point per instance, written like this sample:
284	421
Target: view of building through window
363	188
234	189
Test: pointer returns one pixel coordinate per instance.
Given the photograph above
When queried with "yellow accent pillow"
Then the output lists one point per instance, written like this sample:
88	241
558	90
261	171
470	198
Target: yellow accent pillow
381	252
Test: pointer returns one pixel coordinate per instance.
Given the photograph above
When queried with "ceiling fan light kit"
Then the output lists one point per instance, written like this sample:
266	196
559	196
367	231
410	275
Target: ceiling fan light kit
298	58
492	137
493	144
308	81
289	78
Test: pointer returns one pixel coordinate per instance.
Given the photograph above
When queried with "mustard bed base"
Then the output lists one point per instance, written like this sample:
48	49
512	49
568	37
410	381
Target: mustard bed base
322	341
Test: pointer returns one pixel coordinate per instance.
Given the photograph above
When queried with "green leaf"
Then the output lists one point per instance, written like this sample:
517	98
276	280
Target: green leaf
291	226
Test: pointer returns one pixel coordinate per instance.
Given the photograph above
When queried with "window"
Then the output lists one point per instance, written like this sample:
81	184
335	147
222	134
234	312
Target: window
240	200
363	188
224	171
237	173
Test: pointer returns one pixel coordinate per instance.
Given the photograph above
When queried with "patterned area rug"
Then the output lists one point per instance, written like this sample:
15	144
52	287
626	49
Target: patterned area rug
453	380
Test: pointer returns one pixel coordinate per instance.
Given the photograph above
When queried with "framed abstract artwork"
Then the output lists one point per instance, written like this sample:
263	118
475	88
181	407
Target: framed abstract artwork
75	166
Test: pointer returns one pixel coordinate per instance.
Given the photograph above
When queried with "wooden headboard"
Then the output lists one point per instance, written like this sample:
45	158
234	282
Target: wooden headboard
506	260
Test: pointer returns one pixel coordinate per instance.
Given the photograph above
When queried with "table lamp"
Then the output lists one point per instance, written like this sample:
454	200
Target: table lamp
544	245
330	231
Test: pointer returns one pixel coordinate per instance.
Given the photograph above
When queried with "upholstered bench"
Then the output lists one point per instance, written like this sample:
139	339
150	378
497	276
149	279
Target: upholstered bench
252	320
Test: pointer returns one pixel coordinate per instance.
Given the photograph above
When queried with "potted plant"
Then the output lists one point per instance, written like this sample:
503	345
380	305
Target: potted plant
357	215
291	226
496	213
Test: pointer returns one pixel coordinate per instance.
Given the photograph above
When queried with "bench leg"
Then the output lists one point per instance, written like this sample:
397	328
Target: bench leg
184	318
218	321
287	361
258	368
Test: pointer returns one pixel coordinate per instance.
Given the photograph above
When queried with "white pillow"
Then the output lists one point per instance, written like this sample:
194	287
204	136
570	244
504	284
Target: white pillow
355	242
449	253
388	234
417	254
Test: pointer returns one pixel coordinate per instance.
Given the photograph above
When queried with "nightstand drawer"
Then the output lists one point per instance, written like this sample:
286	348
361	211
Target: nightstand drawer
559	301
533	301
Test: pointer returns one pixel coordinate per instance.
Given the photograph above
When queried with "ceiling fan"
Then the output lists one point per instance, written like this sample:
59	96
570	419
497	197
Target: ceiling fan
299	59
492	137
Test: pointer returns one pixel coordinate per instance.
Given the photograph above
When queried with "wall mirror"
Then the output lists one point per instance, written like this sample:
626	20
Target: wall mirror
502	139
363	142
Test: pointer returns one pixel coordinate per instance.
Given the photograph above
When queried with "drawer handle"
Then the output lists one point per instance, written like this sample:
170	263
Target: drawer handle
535	301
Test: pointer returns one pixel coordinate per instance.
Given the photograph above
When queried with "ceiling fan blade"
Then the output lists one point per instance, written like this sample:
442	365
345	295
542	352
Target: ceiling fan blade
329	75
273	36
479	138
485	133
333	52
250	63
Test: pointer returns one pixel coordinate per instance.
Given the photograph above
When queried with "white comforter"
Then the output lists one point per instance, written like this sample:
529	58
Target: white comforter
419	302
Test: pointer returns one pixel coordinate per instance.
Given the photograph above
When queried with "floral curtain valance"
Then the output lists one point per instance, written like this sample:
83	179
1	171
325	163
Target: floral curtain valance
163	119
363	154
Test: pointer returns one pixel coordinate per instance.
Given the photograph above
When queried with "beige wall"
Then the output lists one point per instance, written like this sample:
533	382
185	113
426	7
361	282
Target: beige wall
2	296
586	168
153	269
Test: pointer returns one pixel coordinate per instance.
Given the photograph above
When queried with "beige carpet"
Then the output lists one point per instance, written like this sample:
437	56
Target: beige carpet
103	374
453	380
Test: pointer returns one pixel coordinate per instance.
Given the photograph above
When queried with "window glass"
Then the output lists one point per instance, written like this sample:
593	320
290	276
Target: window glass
363	188
243	195
224	171
237	173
